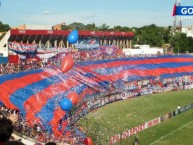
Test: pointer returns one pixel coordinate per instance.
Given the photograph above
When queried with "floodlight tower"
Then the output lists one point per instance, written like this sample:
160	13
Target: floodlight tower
177	19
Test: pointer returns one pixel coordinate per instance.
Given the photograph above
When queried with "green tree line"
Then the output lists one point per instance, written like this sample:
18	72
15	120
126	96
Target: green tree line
3	28
153	35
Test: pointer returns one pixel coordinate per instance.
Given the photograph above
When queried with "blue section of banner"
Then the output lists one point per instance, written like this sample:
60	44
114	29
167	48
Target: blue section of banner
184	10
18	75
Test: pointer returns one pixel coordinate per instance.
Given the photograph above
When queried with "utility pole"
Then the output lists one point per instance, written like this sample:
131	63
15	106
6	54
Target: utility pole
177	26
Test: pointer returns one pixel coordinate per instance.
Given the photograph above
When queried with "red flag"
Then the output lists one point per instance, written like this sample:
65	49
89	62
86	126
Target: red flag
174	10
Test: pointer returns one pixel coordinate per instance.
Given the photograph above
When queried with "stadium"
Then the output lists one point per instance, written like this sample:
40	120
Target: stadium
102	77
48	41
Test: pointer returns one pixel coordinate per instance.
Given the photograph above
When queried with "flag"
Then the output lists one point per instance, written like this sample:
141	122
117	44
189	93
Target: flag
174	10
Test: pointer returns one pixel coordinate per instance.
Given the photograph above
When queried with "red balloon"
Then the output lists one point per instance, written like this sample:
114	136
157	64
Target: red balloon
67	63
88	141
73	97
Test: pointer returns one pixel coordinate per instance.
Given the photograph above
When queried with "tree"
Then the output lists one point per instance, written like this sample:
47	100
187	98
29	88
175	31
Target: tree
104	27
117	28
152	35
76	25
65	27
3	28
91	27
123	29
190	44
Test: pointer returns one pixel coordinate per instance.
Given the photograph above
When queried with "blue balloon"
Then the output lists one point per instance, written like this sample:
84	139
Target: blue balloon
73	36
66	104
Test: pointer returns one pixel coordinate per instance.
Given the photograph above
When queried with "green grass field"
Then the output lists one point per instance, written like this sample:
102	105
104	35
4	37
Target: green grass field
120	116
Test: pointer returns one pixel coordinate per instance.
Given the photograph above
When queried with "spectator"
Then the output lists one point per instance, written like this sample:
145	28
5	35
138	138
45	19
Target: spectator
136	142
6	129
14	143
178	109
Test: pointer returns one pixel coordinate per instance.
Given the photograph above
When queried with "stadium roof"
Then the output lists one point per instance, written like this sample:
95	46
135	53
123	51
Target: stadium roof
66	32
30	36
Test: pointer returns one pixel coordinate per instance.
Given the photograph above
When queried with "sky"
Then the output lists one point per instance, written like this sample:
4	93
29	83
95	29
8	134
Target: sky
130	13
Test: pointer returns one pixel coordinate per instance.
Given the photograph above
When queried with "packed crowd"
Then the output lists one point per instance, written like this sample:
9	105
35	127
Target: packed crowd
24	65
76	135
7	122
31	64
36	132
129	90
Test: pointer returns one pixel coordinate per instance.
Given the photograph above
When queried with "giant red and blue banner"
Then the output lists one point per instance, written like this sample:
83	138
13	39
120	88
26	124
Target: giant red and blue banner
37	93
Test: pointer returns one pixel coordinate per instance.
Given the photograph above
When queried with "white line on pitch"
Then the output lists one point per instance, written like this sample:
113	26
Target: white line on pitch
171	132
